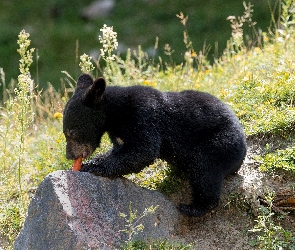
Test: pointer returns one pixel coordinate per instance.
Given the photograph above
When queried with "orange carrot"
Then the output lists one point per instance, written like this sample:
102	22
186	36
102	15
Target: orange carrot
77	165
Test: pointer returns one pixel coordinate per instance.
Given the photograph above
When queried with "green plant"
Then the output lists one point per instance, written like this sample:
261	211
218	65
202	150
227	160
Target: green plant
282	159
86	64
239	201
158	245
135	69
269	234
21	105
47	150
239	40
109	44
191	56
11	220
286	29
16	118
133	227
5	128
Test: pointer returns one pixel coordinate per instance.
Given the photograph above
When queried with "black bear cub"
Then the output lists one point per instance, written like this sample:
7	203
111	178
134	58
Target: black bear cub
193	131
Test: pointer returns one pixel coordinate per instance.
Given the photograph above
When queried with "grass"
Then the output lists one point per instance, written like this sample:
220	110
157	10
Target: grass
256	82
159	245
281	159
56	27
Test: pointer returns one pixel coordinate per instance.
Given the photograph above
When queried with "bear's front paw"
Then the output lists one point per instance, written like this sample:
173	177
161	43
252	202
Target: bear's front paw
91	168
97	168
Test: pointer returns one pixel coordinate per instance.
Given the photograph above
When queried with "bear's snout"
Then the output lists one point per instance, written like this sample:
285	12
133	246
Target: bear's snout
75	150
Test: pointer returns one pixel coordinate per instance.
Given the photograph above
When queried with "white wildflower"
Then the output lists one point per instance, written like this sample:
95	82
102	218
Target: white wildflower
109	42
86	64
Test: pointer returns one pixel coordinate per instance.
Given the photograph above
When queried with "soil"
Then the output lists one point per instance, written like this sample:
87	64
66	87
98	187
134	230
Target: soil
227	227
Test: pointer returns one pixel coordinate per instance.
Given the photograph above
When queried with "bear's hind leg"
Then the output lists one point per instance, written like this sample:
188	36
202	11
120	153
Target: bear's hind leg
206	191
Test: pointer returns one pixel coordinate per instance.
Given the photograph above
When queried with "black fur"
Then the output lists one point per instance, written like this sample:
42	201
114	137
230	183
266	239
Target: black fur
193	131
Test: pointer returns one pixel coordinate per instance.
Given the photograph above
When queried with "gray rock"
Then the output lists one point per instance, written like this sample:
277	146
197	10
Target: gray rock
73	210
98	9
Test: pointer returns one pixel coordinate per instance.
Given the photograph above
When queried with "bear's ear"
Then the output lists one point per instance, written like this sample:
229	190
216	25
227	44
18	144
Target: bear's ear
93	94
84	81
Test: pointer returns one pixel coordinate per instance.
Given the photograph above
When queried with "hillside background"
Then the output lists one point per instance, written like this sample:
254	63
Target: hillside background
57	26
256	81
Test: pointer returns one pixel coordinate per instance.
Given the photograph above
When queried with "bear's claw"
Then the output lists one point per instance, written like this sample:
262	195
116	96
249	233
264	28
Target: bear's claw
89	167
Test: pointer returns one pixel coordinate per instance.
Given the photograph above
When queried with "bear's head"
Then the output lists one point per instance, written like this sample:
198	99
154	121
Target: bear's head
84	117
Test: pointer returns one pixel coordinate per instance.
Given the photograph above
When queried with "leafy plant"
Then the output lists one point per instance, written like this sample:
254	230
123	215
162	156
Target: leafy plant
158	245
133	225
21	105
86	64
11	220
283	159
284	33
271	235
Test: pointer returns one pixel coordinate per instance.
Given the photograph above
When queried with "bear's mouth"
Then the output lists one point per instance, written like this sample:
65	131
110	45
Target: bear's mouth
74	150
87	151
85	155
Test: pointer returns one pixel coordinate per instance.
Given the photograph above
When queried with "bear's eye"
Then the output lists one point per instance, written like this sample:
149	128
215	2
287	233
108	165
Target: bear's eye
72	133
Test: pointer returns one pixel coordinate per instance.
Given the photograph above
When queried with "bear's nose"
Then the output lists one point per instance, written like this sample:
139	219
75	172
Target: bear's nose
70	155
